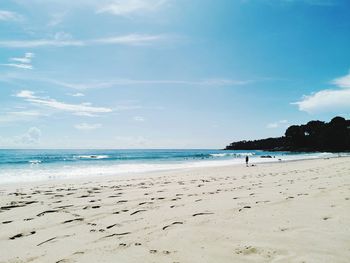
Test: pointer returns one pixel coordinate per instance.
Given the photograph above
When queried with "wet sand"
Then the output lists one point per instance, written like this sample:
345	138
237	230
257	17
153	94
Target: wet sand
274	212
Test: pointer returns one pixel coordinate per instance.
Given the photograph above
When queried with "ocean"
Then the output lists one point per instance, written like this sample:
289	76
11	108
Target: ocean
42	165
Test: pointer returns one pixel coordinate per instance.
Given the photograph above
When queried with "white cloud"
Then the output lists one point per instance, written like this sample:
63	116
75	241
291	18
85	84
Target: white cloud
278	124
39	43
139	119
27	59
9	16
14	65
82	86
342	82
54	104
85	114
87	127
131	39
77	94
32	136
25	94
328	100
94	84
115	7
22	62
62	40
127	7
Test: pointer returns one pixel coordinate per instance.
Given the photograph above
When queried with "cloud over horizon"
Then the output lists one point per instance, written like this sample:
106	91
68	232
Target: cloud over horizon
32	137
328	100
83	109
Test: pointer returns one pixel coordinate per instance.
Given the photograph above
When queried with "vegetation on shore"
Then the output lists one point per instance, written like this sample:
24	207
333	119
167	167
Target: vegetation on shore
333	136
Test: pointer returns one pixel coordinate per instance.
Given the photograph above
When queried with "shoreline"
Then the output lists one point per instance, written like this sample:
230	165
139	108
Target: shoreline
209	164
271	212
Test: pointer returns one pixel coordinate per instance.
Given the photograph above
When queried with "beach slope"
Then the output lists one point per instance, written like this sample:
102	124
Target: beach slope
274	212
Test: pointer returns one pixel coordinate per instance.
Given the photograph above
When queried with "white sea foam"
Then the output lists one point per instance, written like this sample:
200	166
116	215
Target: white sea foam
56	172
98	157
34	161
231	154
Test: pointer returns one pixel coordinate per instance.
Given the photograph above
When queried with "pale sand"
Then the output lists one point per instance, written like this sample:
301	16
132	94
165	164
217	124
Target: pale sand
281	212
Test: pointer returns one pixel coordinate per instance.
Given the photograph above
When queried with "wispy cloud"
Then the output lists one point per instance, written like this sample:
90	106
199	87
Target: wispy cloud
87	126
94	84
139	119
328	100
27	59
77	94
103	83
84	108
9	16
277	124
14	65
22	62
128	7
342	82
114	7
131	40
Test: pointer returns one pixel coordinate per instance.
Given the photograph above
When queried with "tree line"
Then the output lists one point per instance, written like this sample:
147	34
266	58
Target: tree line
333	136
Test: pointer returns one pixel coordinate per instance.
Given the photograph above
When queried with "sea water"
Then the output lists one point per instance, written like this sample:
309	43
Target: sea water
38	165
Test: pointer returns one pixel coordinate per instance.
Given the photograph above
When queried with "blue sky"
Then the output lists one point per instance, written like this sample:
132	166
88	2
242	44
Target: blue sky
168	73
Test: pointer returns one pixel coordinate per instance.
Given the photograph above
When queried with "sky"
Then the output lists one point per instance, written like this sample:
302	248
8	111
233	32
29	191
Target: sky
168	73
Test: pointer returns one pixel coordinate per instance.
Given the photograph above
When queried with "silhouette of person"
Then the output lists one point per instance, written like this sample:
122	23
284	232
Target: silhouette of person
246	160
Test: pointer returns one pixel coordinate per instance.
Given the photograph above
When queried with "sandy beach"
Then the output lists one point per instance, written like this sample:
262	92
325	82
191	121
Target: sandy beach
274	212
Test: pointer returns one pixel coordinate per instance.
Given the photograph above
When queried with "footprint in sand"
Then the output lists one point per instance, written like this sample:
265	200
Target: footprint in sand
119	234
138	211
111	226
202	214
47	212
72	220
245	207
46	241
174	223
22	235
144	203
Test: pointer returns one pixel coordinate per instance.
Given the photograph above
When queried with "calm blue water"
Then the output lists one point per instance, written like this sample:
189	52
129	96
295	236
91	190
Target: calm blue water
34	165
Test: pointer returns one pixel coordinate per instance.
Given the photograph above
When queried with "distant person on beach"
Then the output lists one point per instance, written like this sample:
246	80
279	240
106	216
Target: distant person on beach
246	160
